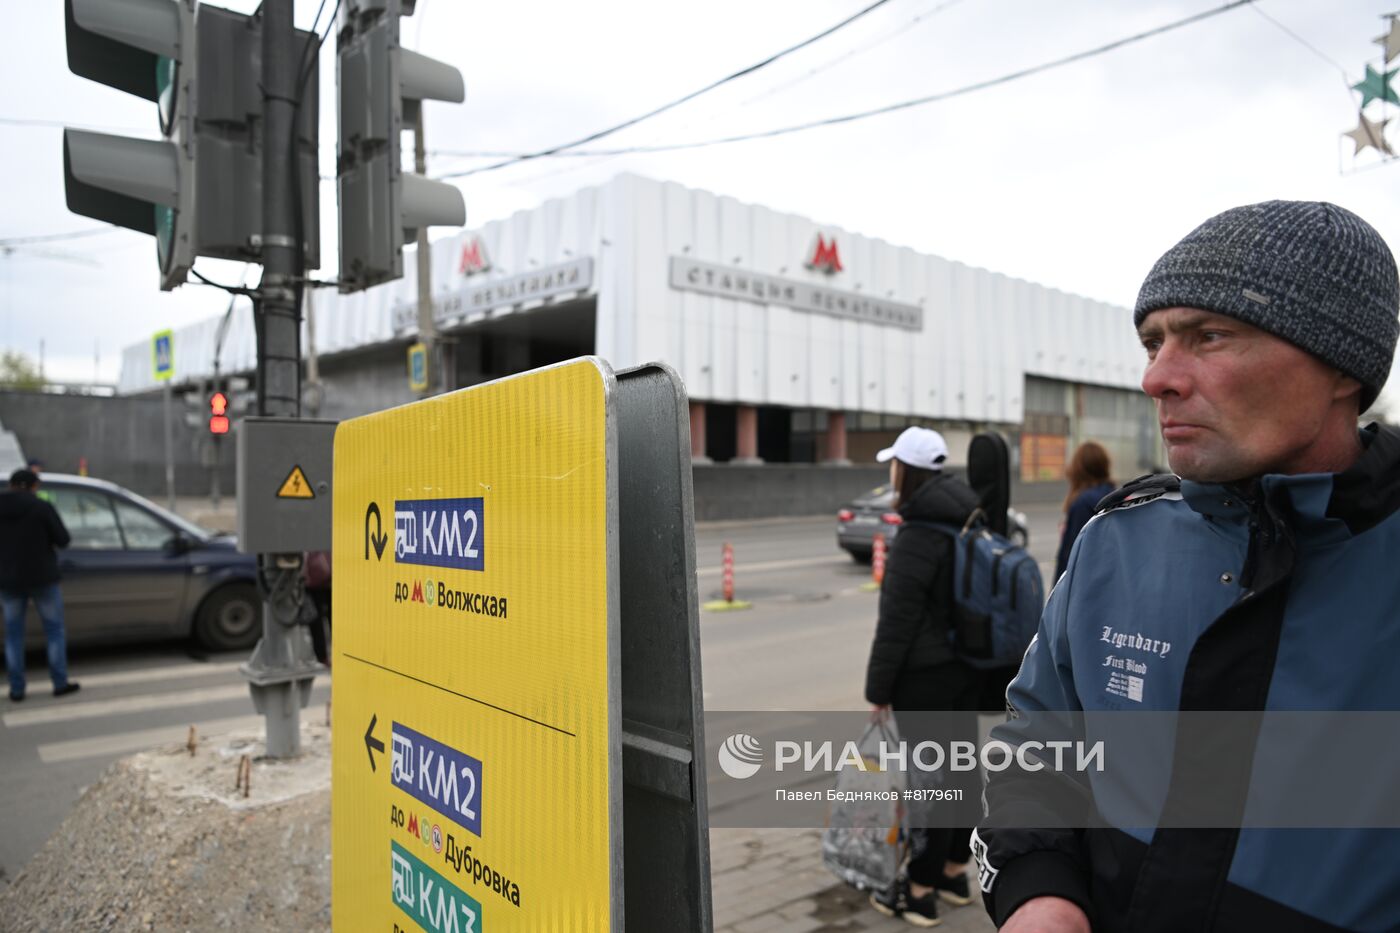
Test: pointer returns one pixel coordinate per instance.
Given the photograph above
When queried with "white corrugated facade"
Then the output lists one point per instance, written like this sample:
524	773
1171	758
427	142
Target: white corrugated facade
981	334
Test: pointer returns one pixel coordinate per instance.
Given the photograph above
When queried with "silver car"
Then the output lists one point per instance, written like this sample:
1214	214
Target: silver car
859	521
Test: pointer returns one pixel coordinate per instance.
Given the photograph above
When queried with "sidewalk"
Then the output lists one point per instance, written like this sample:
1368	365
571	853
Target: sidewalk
766	880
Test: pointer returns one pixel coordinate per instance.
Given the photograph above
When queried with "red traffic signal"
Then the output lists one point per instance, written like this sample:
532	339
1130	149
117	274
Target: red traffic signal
218	418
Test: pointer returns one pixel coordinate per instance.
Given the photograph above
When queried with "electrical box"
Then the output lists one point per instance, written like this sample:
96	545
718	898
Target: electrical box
284	485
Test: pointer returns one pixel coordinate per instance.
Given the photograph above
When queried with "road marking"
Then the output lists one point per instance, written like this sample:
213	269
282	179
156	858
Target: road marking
124	742
68	712
153	674
741	569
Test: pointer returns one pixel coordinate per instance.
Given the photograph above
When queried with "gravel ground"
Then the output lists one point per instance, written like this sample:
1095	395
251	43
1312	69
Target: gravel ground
164	842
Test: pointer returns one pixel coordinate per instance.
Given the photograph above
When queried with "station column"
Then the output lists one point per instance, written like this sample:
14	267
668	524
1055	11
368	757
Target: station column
835	453
746	436
697	433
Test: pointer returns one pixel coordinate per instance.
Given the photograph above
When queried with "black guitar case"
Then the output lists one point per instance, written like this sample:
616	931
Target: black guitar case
989	474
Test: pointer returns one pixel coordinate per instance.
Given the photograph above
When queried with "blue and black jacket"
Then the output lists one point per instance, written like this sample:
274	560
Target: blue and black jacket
1284	596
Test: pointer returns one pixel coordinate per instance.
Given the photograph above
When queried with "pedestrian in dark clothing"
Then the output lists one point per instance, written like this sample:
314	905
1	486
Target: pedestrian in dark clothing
30	535
912	666
1088	474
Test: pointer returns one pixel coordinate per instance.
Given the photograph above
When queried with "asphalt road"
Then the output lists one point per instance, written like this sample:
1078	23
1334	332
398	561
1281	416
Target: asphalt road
133	698
804	643
802	646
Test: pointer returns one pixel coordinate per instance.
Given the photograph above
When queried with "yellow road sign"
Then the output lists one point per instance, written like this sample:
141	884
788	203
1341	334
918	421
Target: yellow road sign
477	760
295	486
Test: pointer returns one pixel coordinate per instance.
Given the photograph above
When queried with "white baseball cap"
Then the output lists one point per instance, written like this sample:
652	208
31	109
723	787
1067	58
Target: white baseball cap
919	447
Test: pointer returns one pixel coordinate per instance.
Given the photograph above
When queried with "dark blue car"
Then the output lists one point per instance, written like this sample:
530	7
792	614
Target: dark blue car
136	571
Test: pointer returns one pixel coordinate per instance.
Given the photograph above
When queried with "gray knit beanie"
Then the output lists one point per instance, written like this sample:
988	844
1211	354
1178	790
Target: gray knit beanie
1310	272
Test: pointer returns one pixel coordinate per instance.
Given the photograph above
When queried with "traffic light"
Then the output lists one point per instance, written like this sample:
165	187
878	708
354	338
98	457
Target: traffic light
146	48
218	413
198	190
381	206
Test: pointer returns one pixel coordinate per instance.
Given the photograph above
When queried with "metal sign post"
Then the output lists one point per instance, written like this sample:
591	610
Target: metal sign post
282	667
515	760
163	369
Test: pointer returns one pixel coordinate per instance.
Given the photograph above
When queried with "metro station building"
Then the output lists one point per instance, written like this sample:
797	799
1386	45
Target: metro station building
799	342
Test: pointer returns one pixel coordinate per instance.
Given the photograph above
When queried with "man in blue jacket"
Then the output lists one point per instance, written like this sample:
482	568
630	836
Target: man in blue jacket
1258	579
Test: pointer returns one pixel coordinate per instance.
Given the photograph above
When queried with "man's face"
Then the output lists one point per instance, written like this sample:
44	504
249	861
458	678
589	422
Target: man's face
1233	401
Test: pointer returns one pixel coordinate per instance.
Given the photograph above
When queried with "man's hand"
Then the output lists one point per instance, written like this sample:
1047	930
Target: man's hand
1047	915
880	712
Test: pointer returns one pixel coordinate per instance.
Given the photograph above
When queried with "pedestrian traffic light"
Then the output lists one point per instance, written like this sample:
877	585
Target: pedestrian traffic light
198	190
381	206
218	413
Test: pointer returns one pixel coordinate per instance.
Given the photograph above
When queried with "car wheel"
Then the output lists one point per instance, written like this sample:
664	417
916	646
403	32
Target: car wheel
861	557
231	618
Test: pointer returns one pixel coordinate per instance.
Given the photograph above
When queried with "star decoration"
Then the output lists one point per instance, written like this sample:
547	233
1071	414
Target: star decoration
1369	134
1377	86
1391	40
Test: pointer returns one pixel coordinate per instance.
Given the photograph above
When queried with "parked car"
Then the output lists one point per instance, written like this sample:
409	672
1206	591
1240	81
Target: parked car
857	523
136	571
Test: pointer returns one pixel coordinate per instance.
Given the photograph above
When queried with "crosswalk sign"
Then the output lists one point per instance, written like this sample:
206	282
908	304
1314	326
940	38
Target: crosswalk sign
418	367
163	356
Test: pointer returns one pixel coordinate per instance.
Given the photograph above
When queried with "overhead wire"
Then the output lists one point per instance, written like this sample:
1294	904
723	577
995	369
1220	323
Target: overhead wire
852	52
844	57
60	125
1304	43
56	237
742	72
902	105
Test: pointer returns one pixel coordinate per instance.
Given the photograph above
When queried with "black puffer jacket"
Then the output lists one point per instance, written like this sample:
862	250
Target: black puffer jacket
30	533
916	600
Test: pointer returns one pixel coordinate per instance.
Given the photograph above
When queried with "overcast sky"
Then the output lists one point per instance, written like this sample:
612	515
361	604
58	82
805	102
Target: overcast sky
1076	178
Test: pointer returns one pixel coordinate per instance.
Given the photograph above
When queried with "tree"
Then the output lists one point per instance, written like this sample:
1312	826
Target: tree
18	371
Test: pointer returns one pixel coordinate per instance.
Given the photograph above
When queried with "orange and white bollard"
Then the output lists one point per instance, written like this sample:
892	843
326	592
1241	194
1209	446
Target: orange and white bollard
877	564
728	571
728	602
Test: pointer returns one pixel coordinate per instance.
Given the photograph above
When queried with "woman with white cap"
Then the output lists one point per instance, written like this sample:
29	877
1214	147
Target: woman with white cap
912	665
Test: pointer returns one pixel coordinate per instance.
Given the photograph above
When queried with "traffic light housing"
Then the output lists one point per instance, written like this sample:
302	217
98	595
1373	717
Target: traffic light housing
146	48
382	206
198	190
218	413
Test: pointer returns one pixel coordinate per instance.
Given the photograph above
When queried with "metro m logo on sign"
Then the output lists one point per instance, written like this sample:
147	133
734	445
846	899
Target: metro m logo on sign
824	256
474	258
440	533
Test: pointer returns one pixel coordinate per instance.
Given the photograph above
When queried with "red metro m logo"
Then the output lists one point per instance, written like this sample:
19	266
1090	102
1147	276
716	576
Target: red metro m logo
474	258
823	256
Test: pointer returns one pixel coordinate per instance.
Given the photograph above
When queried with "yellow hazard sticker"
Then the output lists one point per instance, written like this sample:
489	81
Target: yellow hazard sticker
295	486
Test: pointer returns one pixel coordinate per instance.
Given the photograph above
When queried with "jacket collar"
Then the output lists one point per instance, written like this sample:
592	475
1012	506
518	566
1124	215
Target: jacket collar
1324	506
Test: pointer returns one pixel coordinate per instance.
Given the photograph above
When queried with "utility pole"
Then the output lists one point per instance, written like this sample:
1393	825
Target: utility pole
312	392
169	448
237	99
427	328
282	668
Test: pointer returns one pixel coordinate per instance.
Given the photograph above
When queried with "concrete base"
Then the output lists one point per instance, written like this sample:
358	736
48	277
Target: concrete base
163	842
